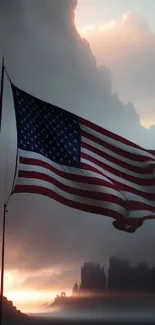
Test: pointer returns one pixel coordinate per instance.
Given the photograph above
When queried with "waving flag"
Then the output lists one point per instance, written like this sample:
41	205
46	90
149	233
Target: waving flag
82	165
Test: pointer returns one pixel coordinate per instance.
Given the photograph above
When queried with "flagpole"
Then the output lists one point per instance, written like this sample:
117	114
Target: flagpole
4	211
2	263
1	91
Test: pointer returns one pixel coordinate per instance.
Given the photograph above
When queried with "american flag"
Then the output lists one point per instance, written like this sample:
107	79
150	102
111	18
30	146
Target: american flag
82	165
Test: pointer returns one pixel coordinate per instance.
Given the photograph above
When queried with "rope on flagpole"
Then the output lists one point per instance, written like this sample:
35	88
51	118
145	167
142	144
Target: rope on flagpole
7	75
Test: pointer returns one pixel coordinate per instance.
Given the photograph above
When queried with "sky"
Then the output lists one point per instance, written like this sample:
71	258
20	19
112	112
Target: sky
105	74
97	12
132	24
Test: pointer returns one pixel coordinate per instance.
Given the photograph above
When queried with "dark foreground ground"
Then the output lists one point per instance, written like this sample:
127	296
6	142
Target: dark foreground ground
141	318
114	311
77	322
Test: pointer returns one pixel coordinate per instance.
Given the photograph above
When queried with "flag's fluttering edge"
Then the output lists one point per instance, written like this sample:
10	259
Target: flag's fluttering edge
82	165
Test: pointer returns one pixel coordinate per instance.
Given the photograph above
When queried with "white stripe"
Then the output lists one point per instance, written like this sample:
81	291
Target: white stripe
70	170
127	195
107	205
141	164
116	143
74	198
71	184
109	177
137	198
88	187
117	167
113	177
137	214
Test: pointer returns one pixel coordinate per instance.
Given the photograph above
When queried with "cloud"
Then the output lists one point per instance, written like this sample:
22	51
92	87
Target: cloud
127	47
57	283
47	57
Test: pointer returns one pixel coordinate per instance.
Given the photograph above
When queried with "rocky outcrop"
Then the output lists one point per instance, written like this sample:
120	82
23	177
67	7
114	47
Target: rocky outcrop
11	315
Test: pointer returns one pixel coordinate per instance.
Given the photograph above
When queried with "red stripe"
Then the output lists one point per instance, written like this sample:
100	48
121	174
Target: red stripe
123	153
71	190
122	187
89	180
79	206
132	205
133	179
65	175
135	169
109	134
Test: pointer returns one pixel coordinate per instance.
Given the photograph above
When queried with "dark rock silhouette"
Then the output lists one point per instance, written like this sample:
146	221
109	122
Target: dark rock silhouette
75	289
92	278
8	308
129	289
153	279
123	277
10	314
119	275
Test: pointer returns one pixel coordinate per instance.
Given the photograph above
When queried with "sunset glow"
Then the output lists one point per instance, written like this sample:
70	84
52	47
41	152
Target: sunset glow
28	299
147	123
107	26
30	296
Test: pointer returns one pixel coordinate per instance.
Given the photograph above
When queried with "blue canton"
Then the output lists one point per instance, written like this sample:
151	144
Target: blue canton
47	129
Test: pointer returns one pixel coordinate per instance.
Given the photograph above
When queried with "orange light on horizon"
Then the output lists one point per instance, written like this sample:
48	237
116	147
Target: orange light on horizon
31	301
146	123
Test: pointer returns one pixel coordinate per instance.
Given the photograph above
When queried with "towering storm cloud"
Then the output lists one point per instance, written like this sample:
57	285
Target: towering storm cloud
131	59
